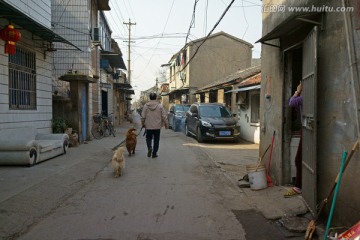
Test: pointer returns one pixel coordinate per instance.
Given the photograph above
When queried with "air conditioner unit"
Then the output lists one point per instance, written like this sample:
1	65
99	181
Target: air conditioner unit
182	76
96	36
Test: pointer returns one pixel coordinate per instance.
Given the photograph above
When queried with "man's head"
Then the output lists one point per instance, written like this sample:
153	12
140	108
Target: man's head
152	96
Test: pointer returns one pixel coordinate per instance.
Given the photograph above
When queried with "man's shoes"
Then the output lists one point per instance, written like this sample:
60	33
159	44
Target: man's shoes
149	152
154	156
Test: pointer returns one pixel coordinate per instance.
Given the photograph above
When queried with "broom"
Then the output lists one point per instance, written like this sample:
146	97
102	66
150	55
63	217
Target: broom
268	178
312	224
261	158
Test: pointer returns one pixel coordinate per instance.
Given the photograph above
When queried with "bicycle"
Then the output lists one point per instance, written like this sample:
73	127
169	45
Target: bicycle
110	125
102	126
97	129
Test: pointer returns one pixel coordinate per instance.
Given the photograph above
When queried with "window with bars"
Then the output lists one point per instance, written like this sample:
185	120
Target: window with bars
22	79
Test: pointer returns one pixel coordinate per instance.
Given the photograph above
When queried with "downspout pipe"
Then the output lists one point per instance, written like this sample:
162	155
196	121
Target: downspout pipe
352	61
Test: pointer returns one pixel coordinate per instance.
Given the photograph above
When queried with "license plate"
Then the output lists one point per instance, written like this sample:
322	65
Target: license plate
224	133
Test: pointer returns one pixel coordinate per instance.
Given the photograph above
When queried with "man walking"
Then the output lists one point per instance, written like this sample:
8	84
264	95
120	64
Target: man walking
153	117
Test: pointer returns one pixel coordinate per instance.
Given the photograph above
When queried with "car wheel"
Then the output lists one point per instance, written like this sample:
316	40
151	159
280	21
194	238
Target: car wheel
199	137
187	130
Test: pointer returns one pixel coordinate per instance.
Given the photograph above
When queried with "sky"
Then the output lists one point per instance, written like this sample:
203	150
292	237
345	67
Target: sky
161	27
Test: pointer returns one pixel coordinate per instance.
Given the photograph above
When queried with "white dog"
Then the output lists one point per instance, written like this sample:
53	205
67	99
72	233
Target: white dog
118	161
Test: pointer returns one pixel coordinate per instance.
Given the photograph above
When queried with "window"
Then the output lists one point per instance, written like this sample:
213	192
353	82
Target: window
255	107
214	111
22	79
181	108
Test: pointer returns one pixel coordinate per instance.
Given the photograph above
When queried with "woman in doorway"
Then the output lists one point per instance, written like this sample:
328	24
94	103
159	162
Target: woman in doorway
296	101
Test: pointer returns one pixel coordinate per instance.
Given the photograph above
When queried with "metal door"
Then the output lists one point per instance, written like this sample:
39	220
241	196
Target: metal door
309	119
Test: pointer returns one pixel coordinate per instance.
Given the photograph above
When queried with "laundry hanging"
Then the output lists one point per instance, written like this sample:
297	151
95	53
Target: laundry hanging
183	57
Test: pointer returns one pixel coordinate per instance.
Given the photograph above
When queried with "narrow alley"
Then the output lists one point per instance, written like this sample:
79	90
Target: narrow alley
188	192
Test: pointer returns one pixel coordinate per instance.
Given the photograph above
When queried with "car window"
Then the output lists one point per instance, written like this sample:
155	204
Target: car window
182	108
214	111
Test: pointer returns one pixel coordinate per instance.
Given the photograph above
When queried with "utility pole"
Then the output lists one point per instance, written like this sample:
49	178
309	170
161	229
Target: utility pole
129	41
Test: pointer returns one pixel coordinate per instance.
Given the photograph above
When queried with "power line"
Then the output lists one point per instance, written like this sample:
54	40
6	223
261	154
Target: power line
192	22
217	23
75	30
247	24
151	37
131	10
172	4
62	13
117	25
117	9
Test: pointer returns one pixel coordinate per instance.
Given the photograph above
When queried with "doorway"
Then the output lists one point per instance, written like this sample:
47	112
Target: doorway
104	103
292	128
301	65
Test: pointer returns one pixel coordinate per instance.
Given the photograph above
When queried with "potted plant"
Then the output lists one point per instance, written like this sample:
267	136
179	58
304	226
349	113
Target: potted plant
59	125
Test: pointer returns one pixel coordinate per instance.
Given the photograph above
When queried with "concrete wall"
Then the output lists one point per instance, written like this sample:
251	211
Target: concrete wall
217	58
336	104
74	15
38	10
41	117
248	131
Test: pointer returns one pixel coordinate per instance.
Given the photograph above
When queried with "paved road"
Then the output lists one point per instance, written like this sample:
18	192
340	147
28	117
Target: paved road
175	196
182	194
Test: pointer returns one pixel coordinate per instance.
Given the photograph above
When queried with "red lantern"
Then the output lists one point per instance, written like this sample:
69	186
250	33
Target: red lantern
10	36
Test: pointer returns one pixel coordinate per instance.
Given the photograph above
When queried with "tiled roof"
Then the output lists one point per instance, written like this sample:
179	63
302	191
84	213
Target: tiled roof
256	79
235	77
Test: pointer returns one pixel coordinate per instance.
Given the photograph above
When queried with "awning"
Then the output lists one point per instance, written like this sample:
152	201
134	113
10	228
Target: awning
291	25
103	5
245	89
77	77
12	14
128	91
115	59
123	85
179	90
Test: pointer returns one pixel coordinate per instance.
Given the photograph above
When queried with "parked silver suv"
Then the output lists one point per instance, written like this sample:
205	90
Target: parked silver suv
211	121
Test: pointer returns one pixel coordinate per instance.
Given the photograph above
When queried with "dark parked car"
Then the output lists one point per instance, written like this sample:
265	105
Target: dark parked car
211	121
176	116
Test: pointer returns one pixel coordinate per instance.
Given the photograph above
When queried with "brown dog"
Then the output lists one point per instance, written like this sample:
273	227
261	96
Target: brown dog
131	140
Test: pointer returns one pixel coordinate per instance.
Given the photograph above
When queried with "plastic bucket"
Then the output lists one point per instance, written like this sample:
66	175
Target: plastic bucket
257	177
